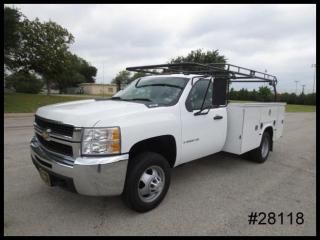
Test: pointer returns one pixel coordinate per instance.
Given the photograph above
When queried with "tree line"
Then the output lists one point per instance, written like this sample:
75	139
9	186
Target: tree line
264	94
37	53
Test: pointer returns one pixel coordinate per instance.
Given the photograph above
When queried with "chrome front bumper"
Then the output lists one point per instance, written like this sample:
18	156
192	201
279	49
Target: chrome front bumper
94	176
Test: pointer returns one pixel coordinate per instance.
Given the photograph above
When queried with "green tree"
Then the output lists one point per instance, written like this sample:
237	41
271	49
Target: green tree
264	94
89	72
253	95
199	56
283	97
70	75
123	77
43	48
12	25
301	98
292	98
24	82
243	94
310	99
202	57
232	94
75	71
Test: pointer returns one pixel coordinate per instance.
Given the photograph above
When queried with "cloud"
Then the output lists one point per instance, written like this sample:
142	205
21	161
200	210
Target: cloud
279	38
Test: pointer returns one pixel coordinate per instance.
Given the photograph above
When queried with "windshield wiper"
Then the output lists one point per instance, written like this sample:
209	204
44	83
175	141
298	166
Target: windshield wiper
119	98
131	99
139	99
159	84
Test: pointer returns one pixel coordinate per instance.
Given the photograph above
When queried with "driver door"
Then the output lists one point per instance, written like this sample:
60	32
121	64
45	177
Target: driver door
202	134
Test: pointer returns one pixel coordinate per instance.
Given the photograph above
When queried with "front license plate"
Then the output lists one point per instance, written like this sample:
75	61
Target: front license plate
45	177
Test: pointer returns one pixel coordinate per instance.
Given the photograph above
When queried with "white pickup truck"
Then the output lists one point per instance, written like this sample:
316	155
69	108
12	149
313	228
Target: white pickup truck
127	145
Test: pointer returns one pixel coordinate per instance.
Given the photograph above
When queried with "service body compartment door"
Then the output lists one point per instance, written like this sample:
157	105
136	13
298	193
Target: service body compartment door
280	122
233	141
269	113
251	125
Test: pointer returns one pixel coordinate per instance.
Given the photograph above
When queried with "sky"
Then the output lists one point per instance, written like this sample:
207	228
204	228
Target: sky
279	39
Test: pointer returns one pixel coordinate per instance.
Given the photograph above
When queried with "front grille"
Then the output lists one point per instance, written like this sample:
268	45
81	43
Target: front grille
63	129
56	147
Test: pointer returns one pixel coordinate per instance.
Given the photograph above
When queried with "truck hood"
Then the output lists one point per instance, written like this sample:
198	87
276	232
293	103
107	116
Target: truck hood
87	113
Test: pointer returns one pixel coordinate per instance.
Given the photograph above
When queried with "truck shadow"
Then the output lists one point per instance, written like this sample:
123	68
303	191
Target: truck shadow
188	172
218	160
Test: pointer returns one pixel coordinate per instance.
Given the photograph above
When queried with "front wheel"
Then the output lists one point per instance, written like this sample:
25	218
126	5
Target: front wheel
261	153
147	182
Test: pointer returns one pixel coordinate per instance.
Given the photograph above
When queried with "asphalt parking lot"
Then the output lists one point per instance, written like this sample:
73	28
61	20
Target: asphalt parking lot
210	196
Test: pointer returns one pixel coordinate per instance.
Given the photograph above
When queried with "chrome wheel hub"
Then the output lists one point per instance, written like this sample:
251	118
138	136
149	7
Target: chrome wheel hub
151	183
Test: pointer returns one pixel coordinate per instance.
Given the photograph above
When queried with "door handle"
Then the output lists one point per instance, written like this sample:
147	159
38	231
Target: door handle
217	117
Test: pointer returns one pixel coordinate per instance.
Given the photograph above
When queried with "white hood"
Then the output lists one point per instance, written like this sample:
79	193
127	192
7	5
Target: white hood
87	113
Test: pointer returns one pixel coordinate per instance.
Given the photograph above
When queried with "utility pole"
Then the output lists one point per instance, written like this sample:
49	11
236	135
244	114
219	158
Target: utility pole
314	77
303	85
296	86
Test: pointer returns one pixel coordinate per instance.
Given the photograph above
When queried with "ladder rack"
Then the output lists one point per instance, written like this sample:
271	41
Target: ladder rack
230	72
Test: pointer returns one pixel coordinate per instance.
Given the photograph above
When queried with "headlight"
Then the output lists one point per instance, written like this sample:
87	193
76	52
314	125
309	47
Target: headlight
101	141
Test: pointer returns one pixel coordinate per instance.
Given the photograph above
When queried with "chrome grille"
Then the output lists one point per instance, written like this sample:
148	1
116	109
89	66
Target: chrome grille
59	128
58	142
56	147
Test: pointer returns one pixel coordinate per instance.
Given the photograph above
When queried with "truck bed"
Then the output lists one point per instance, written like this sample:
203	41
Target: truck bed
247	122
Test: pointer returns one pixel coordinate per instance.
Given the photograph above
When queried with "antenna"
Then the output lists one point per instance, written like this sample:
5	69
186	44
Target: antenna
296	86
103	86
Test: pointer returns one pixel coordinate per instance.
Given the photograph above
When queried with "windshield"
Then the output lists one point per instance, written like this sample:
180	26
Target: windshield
156	90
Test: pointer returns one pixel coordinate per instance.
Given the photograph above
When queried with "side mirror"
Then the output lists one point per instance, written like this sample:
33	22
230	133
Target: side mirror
219	91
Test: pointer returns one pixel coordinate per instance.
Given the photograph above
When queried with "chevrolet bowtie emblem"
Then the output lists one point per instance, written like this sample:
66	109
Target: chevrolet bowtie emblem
46	134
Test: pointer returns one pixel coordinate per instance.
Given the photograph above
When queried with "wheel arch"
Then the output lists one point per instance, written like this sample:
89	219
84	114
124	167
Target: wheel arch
164	145
269	129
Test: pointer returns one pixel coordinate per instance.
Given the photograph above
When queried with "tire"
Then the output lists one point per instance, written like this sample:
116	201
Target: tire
261	153
147	181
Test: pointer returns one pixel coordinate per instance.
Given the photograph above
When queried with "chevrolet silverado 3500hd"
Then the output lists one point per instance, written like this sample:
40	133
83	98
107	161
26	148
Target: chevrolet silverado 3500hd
127	145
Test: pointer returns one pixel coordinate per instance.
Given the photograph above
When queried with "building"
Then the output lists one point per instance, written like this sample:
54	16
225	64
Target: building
98	89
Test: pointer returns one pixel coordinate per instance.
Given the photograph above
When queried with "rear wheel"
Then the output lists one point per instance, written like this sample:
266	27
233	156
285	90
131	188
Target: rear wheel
261	153
147	182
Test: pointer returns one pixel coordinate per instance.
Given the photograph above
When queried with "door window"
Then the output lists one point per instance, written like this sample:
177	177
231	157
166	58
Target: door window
197	93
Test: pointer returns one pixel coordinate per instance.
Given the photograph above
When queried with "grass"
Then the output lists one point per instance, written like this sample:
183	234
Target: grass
300	108
28	103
